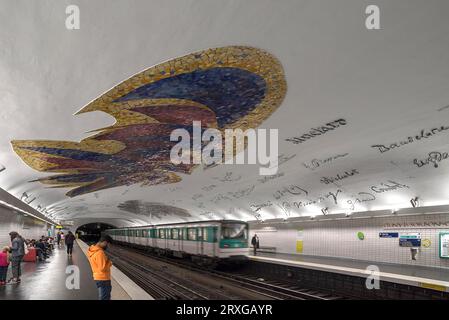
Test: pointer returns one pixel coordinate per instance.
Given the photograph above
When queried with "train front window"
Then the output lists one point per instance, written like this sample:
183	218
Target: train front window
237	231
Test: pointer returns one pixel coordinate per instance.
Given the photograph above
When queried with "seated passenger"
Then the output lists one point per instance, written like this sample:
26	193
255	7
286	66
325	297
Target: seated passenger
47	249
50	243
41	252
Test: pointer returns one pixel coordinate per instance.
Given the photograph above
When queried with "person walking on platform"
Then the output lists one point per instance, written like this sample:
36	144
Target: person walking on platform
101	267
58	239
255	243
69	240
17	253
4	263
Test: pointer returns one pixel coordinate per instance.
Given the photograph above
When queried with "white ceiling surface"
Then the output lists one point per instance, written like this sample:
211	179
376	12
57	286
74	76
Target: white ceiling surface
387	84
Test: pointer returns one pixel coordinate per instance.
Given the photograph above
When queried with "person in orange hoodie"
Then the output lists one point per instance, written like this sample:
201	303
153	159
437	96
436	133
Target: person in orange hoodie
101	267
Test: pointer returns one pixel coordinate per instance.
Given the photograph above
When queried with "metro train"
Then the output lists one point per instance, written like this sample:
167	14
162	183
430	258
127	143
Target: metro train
204	242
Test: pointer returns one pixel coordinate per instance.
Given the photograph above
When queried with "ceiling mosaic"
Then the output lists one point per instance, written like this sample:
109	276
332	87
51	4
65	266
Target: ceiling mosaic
229	87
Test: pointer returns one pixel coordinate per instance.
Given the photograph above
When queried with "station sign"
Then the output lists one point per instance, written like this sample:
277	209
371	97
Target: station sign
67	222
388	234
410	240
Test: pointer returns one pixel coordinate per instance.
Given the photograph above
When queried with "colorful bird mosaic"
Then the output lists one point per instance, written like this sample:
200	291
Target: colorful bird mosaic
224	88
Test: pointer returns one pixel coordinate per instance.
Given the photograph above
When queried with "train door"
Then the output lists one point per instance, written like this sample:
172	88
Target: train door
201	240
146	234
161	240
180	240
192	244
174	239
154	238
206	245
213	240
157	233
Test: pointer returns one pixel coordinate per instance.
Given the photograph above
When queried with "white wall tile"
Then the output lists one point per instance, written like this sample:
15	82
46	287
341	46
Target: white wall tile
338	238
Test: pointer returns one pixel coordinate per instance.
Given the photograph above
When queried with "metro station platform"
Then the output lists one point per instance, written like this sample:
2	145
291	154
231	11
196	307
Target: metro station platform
47	280
418	276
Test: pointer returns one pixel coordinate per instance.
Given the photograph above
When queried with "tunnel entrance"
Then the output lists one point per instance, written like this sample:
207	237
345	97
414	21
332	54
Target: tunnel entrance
91	232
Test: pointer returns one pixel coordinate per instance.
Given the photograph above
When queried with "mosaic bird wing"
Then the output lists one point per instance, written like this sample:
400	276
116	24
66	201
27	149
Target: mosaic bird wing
228	87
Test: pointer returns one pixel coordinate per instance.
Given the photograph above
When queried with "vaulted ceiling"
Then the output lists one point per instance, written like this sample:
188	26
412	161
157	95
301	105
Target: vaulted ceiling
86	115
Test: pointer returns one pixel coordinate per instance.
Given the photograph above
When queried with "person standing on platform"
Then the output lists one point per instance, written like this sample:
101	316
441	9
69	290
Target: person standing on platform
4	263
58	239
255	243
101	267
17	253
69	240
62	238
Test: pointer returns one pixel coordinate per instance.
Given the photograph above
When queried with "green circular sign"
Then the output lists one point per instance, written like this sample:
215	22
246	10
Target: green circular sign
360	235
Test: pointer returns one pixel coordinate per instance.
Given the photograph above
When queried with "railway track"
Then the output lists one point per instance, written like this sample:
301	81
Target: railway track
158	285
152	280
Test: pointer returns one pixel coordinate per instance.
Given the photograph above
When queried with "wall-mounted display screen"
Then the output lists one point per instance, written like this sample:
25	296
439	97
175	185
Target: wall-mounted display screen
388	234
444	245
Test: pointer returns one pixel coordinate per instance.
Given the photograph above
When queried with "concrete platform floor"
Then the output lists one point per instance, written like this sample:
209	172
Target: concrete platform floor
426	277
400	269
47	280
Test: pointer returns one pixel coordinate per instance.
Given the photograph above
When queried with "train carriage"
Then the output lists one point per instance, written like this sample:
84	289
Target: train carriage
205	241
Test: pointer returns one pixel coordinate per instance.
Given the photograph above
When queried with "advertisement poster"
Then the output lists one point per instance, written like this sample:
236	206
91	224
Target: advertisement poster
299	241
444	245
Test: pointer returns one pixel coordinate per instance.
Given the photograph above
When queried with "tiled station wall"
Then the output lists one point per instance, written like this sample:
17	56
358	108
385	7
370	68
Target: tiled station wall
28	227
338	238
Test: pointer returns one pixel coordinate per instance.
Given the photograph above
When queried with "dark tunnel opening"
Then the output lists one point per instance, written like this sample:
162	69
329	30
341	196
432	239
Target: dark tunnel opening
91	232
